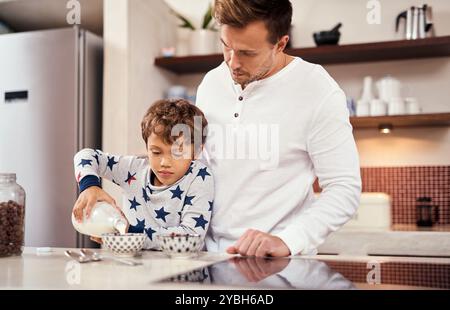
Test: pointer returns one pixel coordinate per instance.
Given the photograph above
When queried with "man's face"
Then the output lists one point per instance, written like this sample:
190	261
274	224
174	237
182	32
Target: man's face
247	52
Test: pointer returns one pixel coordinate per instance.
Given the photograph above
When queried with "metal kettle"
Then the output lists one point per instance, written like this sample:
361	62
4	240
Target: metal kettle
418	22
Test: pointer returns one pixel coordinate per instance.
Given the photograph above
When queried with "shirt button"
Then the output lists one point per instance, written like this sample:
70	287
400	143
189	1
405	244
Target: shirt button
236	114
241	98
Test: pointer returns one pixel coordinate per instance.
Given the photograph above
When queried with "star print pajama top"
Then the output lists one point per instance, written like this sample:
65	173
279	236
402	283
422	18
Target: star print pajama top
183	207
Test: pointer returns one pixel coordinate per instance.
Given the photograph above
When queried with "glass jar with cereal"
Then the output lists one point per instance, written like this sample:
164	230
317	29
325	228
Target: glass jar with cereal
12	215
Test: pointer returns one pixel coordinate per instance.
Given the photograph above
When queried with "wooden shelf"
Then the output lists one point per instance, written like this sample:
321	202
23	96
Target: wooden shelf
338	54
419	120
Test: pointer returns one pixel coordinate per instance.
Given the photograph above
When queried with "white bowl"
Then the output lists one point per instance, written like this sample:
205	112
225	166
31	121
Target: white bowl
124	245
180	245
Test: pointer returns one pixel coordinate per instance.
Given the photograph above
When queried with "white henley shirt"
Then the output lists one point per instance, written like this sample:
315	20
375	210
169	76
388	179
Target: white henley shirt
266	146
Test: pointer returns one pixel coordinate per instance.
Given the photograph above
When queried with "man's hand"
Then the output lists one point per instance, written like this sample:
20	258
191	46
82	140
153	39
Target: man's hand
260	244
88	198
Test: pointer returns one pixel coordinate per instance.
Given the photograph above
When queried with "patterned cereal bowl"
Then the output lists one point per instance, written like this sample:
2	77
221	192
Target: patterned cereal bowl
124	245
180	245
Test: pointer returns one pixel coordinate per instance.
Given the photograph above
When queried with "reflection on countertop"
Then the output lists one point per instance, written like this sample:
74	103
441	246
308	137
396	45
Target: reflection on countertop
323	273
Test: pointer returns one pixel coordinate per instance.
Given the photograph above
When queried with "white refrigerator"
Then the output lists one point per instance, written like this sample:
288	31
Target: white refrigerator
50	107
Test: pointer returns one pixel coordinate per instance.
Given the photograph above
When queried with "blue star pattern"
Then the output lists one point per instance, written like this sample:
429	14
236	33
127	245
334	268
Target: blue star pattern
159	207
149	231
188	200
134	204
149	189
161	214
176	193
200	221
130	178
138	228
203	173
85	162
145	195
189	170
111	162
96	158
211	203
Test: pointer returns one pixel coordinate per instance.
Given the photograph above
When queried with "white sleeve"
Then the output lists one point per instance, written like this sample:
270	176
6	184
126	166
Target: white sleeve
116	168
335	159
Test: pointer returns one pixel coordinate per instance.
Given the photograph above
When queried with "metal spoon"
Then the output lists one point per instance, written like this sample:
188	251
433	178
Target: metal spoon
79	258
91	255
94	256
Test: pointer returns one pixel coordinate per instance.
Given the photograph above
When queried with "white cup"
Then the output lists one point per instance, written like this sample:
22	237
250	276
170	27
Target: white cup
412	106
377	107
362	108
396	106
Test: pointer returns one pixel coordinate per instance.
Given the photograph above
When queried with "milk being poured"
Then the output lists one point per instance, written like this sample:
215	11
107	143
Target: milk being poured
104	219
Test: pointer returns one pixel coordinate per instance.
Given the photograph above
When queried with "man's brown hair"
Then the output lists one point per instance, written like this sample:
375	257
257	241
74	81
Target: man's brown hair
163	115
276	14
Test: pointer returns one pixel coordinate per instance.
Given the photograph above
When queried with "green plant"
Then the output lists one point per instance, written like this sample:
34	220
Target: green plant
207	23
207	19
185	22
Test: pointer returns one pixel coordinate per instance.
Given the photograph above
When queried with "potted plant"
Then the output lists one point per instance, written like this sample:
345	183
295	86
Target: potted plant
201	41
184	32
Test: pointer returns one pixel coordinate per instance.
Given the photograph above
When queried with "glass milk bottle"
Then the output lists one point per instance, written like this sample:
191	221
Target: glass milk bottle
104	219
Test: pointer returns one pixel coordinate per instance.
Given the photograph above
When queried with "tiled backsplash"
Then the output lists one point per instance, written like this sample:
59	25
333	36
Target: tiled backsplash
397	273
405	184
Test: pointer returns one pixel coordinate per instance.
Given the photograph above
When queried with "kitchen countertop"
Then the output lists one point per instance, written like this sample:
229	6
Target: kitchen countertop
54	270
431	243
412	227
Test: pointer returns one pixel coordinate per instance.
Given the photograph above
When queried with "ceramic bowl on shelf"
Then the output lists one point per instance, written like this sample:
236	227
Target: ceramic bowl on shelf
330	37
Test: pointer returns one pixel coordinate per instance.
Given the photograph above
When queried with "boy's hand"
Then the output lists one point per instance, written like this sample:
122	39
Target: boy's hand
88	198
97	240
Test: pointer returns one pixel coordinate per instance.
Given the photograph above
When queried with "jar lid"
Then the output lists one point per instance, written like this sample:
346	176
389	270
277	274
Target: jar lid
7	177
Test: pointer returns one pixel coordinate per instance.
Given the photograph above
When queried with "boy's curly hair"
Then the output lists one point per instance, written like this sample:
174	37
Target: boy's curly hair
164	114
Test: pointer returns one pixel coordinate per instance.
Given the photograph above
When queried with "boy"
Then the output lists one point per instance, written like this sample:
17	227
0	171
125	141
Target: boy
169	191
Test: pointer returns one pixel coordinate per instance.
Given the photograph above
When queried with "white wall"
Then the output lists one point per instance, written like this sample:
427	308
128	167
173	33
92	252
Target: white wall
310	16
426	79
134	33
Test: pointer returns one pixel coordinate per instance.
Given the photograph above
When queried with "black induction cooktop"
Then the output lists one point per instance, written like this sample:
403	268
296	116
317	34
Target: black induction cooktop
328	274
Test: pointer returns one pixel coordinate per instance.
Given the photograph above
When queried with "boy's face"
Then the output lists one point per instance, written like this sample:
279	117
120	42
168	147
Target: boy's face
169	162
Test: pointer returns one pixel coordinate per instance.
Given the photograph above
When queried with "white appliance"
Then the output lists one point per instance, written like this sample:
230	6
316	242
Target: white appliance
374	213
50	107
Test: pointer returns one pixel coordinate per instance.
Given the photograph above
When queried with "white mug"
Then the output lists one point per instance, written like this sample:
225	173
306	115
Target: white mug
362	108
396	106
377	107
412	106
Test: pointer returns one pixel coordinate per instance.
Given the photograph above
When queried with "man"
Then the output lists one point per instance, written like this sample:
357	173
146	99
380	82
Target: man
260	93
